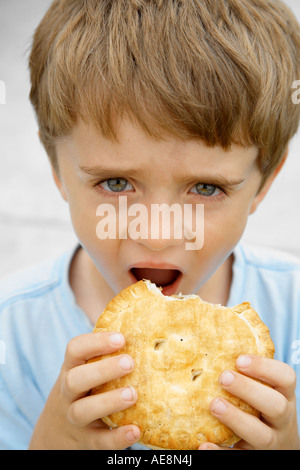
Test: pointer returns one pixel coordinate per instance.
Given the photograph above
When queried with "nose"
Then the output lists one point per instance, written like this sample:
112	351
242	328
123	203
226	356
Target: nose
158	226
160	244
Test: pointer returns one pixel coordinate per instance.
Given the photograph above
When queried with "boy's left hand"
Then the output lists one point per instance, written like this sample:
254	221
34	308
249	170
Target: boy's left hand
277	427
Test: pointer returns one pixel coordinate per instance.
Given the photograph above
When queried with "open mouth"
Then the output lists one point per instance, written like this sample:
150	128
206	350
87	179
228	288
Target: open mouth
167	279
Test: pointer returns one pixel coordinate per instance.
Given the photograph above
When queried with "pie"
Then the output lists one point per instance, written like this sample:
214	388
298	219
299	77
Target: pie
180	345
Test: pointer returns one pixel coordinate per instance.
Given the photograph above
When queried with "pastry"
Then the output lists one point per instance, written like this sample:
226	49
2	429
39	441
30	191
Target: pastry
180	346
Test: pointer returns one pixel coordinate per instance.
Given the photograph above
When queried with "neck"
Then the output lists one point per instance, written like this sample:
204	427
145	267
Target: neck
217	289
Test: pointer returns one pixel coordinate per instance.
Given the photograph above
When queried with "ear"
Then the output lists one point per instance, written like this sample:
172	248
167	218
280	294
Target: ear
59	184
268	183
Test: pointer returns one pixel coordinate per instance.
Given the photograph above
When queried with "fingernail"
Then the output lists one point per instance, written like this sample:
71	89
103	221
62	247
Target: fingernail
219	407
227	378
128	394
126	363
116	339
243	362
131	436
208	446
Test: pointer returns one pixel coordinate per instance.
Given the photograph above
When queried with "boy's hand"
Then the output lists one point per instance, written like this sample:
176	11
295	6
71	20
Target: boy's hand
71	418
277	427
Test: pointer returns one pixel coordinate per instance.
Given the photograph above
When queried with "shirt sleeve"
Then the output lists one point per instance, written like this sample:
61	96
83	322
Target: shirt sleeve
21	400
15	429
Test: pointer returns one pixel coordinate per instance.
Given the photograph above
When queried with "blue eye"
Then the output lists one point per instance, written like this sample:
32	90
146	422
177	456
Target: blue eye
206	189
116	185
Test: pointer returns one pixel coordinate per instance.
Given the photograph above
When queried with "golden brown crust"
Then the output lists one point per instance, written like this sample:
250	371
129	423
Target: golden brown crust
180	346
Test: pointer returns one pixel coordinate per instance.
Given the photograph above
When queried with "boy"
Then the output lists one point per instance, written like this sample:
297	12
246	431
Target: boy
161	101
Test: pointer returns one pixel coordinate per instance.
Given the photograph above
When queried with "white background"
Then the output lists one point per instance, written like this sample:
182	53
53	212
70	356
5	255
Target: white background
34	220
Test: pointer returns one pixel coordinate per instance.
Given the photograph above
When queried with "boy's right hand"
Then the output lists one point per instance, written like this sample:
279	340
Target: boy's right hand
71	418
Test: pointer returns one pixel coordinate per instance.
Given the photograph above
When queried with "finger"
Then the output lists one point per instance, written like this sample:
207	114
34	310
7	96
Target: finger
87	346
273	406
241	445
276	373
210	446
86	410
114	439
81	379
248	427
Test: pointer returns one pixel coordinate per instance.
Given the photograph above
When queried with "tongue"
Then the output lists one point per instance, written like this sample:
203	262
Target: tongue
160	277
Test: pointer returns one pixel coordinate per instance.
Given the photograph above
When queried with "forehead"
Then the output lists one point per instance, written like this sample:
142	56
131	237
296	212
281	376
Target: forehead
137	153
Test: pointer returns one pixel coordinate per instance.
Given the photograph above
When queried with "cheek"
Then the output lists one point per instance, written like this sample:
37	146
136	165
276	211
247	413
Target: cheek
222	232
84	220
225	227
105	252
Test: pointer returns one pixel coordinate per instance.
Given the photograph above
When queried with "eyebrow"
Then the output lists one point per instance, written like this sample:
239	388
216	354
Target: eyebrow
215	180
107	172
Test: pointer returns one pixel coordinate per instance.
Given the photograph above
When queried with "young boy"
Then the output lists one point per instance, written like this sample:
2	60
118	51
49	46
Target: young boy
159	101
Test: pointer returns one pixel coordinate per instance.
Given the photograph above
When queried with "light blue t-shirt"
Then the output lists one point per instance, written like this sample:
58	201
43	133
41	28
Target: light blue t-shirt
39	316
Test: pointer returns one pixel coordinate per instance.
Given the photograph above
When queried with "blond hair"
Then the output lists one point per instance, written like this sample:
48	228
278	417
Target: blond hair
216	70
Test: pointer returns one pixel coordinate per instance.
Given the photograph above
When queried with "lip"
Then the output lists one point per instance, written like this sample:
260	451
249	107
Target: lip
171	289
155	265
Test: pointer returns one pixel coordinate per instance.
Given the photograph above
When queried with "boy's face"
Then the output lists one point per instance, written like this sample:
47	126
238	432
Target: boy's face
95	171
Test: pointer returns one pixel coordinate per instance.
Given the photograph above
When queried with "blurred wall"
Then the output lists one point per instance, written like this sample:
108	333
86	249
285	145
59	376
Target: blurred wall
34	220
